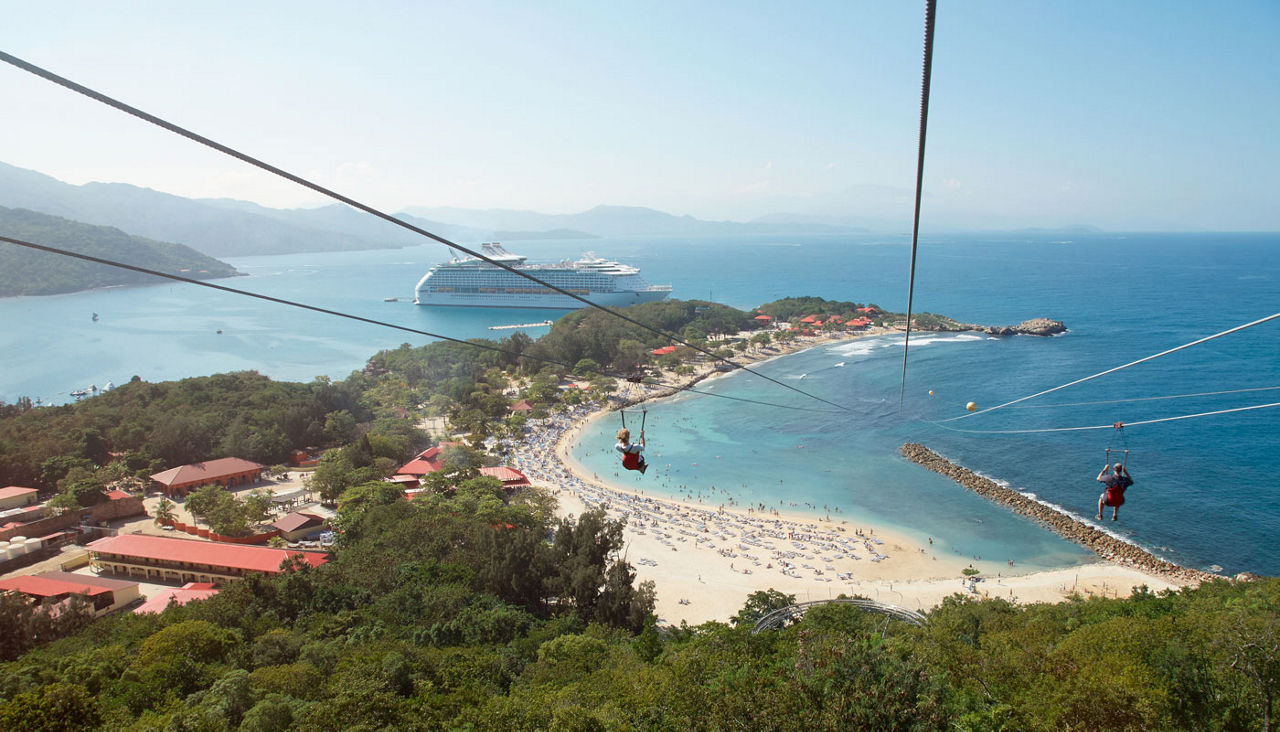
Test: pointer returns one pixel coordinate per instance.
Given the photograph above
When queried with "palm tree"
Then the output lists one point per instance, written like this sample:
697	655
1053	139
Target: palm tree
164	512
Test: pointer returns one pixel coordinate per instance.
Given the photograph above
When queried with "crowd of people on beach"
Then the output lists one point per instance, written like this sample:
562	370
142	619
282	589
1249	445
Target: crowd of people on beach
755	540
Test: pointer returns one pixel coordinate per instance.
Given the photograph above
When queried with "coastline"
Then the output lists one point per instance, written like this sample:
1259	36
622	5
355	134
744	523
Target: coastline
1104	545
705	561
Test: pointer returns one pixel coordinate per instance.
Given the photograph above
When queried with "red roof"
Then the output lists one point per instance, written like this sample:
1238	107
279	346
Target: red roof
13	491
510	477
180	595
763	317
117	495
297	520
428	461
209	471
664	350
235	556
63	584
868	309
420	466
522	406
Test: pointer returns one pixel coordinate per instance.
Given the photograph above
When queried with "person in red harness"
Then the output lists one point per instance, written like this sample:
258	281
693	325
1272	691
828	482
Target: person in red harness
631	457
1115	481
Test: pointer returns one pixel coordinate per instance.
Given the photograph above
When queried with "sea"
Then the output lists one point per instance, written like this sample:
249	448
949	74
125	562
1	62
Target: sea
1205	494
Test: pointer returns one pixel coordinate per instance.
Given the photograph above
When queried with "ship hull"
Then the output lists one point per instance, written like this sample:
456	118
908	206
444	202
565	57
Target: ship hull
551	301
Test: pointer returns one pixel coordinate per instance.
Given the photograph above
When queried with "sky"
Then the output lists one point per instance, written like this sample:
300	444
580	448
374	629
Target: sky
1126	116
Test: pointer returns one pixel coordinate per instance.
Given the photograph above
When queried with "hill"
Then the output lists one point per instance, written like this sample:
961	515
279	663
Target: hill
27	272
216	227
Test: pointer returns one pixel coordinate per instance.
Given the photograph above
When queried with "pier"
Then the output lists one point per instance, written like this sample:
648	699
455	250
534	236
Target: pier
521	325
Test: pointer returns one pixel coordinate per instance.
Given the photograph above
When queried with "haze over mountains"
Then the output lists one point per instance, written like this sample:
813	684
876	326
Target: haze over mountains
230	228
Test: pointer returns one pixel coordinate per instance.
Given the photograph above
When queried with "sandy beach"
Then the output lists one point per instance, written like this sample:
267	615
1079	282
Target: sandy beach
705	561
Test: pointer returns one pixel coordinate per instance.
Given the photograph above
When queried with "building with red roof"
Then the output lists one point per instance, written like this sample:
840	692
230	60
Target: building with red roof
664	350
298	525
15	496
102	593
521	406
158	602
226	472
510	477
162	559
868	309
429	460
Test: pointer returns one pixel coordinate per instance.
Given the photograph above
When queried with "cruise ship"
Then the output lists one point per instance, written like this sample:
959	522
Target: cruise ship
473	282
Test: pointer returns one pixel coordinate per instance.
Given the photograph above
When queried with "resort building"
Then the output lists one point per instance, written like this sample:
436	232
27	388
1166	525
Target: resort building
298	525
162	559
158	602
511	478
103	594
16	497
226	472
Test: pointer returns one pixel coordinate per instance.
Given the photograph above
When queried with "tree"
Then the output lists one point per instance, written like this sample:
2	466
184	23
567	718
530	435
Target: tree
257	506
1249	642
760	603
586	367
164	512
79	489
57	707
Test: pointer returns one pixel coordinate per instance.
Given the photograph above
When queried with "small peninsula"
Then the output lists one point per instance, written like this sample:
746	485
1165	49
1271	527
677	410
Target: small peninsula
28	272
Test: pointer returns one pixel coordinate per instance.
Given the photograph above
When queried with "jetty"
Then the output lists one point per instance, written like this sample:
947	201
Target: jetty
543	324
1069	528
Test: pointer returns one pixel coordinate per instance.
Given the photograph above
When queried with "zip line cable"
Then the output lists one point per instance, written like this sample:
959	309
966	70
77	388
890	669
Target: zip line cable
1147	399
362	319
1152	357
1107	426
176	129
931	7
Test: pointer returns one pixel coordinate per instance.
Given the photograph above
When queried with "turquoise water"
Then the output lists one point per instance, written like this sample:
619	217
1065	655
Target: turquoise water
1206	491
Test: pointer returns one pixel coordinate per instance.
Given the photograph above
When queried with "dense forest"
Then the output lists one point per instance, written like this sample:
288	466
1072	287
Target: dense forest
456	611
27	272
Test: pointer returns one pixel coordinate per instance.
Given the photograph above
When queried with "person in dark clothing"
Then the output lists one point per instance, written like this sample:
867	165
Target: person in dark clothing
1116	479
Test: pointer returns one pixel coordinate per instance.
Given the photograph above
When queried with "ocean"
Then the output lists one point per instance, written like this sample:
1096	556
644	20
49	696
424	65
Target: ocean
1205	491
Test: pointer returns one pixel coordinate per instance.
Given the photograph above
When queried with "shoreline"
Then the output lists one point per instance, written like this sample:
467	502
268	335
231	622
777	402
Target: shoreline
1107	547
705	561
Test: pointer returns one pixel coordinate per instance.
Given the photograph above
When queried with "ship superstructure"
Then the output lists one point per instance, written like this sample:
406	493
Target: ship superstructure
473	282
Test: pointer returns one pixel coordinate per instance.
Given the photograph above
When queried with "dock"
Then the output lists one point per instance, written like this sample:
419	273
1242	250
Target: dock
543	324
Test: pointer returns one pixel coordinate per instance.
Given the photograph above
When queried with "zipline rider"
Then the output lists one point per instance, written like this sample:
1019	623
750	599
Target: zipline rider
1115	481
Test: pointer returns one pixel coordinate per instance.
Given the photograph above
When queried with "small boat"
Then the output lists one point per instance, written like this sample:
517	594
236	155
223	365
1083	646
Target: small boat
80	393
95	317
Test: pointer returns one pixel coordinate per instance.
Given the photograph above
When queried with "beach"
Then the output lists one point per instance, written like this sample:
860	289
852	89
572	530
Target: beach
704	561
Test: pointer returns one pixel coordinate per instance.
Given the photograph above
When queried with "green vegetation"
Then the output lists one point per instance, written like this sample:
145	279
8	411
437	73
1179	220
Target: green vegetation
27	272
457	612
226	514
468	608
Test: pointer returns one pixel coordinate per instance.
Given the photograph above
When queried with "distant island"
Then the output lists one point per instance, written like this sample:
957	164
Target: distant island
28	272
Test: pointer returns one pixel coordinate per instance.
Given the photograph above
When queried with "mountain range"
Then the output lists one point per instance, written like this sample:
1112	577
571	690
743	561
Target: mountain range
233	228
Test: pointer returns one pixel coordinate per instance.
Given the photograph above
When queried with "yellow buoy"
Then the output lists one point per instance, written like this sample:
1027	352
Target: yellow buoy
931	392
971	407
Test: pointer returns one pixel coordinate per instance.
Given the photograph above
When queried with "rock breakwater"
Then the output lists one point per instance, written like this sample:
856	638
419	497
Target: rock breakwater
1104	545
